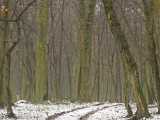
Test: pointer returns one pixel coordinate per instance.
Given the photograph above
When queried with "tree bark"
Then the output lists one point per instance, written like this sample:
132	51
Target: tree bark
1	70
41	71
150	11
127	57
86	17
7	74
6	66
126	90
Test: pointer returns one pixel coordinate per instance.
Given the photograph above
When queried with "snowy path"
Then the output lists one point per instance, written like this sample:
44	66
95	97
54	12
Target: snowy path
56	115
73	111
86	116
110	113
82	113
28	111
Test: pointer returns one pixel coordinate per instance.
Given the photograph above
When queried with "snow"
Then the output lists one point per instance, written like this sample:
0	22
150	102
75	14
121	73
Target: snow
25	110
116	112
77	114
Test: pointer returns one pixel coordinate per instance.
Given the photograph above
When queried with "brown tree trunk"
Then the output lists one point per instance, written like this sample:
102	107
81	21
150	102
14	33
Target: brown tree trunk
86	18
150	10
127	57
126	91
7	65
1	71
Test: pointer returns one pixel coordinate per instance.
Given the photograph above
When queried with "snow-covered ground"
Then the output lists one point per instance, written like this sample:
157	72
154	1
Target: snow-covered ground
27	111
72	111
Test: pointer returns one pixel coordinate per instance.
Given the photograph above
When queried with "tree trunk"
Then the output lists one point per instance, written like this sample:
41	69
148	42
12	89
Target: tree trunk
41	92
126	90
7	74
86	17
6	67
1	70
127	57
150	10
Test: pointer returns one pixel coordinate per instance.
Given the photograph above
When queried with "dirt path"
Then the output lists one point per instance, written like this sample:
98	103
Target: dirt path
57	115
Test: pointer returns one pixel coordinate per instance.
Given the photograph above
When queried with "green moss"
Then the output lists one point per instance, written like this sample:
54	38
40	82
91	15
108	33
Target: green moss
156	5
41	52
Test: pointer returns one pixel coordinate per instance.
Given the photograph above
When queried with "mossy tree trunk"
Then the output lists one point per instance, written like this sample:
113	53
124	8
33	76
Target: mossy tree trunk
41	91
127	57
7	64
3	48
151	9
87	8
7	78
3	39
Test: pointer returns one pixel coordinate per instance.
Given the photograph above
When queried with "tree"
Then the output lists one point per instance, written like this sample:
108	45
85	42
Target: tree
1	70
127	57
6	64
151	8
87	8
41	92
126	90
7	48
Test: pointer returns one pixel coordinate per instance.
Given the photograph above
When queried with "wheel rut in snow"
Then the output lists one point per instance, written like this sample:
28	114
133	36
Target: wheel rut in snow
56	115
86	116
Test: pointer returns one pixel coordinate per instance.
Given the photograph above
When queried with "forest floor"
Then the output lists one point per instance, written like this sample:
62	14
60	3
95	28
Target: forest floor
72	111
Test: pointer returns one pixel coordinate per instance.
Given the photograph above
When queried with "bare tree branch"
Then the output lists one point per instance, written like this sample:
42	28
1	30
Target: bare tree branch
20	15
25	9
18	39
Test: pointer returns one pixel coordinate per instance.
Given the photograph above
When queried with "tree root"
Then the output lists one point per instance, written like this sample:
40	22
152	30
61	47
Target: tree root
11	115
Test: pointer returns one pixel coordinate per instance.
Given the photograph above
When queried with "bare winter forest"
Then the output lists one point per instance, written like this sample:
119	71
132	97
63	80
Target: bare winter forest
80	57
